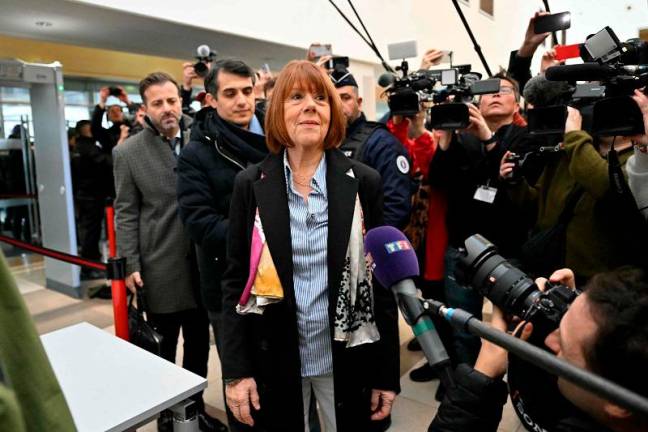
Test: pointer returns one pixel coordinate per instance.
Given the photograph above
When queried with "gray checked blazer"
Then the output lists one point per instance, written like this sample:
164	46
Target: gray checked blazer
150	234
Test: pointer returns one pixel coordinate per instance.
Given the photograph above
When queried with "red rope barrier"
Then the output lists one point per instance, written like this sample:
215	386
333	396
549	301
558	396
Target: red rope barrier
118	288
61	256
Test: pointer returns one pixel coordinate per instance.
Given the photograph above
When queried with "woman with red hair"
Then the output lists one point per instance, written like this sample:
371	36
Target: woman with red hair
301	316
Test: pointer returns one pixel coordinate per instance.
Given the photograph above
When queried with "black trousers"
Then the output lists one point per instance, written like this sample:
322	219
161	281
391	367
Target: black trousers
195	332
91	215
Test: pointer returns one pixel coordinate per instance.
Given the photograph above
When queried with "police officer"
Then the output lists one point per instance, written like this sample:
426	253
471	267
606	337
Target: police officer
372	144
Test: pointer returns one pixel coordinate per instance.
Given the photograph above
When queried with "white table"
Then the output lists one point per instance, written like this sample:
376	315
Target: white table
110	384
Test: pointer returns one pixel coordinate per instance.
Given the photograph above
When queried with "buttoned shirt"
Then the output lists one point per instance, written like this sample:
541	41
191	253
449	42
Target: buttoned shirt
309	234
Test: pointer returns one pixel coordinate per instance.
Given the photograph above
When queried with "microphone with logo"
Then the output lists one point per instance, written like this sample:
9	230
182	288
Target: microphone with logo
394	264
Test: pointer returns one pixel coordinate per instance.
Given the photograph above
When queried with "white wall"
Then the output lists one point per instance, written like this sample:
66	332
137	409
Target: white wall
290	22
433	23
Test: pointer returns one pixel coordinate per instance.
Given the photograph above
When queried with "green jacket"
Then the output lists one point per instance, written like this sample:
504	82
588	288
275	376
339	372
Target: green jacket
590	247
30	396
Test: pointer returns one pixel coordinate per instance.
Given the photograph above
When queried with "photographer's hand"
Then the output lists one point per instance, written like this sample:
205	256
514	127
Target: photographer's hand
188	75
321	62
493	360
432	57
103	96
506	168
531	40
574	120
123	96
549	60
642	100
478	126
563	276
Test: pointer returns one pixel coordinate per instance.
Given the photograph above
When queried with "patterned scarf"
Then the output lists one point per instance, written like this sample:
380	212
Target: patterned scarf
355	322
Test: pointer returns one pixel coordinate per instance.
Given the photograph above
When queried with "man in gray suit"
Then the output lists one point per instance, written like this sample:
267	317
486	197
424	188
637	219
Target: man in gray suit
160	257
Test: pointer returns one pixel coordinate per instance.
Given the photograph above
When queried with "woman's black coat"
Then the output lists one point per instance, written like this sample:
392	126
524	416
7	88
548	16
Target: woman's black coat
266	346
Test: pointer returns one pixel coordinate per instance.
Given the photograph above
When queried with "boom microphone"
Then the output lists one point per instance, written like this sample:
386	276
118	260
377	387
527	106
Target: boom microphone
386	79
394	266
580	72
540	92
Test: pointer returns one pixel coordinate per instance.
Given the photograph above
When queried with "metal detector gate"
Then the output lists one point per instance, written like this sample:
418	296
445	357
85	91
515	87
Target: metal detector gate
52	163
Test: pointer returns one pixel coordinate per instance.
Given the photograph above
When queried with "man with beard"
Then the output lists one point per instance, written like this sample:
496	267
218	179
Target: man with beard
160	258
226	137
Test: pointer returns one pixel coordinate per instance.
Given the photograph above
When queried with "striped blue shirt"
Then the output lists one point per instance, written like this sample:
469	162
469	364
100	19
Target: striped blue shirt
309	234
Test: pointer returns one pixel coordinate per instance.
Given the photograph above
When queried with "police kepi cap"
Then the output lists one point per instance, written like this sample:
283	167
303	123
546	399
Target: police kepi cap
342	77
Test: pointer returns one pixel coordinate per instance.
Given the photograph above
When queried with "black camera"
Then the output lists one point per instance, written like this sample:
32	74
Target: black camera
534	392
407	92
466	86
617	69
508	287
114	91
205	57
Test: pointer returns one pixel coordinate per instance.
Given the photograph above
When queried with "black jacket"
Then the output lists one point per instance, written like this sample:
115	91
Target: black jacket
475	404
383	152
107	137
519	68
465	166
94	179
207	166
266	346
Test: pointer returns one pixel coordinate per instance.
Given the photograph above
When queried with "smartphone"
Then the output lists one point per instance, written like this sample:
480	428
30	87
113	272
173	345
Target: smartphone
114	91
320	50
564	52
552	23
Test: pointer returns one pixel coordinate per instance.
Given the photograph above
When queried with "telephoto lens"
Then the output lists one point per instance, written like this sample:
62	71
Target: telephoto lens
511	289
495	278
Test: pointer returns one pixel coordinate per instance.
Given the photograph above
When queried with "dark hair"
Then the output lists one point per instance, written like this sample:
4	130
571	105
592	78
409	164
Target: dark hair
269	85
155	78
503	75
233	66
619	305
80	124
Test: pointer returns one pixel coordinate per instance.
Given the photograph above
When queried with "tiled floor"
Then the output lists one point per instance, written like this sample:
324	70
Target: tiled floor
413	410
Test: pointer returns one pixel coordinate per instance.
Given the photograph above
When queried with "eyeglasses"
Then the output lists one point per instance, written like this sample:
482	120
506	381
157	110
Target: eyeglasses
506	90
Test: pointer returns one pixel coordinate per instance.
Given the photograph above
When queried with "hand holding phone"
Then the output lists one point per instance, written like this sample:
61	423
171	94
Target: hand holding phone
552	23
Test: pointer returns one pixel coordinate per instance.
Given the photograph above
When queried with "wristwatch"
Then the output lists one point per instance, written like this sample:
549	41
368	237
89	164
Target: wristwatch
490	140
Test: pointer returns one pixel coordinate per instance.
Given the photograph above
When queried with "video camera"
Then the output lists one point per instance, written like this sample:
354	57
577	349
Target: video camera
407	92
462	89
205	57
614	69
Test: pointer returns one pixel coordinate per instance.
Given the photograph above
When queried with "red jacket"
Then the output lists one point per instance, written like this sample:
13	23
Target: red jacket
421	150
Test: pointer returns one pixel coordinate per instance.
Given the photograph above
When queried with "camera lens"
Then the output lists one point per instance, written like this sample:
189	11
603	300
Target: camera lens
495	278
201	69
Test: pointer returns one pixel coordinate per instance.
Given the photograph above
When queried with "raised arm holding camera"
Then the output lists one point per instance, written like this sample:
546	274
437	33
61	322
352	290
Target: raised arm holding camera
603	331
570	193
